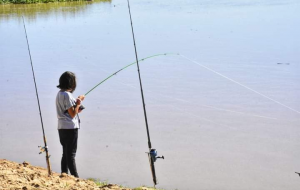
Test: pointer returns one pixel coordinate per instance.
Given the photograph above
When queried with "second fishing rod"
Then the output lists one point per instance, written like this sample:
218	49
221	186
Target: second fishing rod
45	148
152	154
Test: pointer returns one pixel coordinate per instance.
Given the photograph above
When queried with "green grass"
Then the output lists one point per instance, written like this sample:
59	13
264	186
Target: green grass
33	1
98	182
144	187
101	184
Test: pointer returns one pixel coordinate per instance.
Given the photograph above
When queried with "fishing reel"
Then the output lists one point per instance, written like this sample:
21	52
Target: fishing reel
81	107
153	155
43	149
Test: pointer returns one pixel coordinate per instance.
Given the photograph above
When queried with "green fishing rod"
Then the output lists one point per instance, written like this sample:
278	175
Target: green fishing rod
45	148
113	74
152	154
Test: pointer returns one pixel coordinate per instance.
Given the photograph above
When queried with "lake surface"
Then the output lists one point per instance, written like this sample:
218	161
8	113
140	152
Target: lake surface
228	119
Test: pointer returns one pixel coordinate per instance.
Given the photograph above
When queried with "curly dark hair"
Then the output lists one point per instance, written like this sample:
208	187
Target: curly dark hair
67	81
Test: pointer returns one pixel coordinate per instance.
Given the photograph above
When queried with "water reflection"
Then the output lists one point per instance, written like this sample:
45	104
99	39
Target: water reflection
32	11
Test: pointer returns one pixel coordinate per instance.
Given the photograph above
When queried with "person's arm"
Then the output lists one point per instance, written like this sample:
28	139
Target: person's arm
73	111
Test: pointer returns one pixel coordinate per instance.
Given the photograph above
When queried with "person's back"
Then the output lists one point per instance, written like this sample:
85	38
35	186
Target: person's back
64	101
67	108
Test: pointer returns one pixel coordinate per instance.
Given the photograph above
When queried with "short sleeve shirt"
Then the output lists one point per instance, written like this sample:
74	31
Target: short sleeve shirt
64	101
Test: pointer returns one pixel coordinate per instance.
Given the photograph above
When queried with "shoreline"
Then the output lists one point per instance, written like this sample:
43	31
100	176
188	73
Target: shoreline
23	176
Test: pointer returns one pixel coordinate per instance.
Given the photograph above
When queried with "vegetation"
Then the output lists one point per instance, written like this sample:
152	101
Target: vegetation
36	1
28	1
33	11
101	184
143	188
98	182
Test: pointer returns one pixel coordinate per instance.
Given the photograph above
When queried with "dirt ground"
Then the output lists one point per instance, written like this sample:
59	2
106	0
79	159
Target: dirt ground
15	176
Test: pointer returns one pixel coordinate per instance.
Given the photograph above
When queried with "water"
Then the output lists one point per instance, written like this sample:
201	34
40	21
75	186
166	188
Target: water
213	133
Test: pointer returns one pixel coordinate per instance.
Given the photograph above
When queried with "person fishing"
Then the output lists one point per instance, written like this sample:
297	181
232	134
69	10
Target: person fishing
67	108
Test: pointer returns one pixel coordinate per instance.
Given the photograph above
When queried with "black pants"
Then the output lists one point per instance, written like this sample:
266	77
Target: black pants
68	139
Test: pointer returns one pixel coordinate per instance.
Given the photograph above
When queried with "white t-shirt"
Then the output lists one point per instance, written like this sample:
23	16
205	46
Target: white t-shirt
65	100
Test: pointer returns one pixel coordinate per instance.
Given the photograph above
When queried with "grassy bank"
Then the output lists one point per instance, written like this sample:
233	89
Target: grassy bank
37	1
32	1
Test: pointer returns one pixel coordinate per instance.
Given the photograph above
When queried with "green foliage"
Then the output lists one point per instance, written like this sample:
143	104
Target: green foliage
33	1
101	184
98	182
144	187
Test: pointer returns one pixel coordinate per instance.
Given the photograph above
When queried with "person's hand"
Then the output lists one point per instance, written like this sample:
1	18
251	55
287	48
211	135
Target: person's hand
78	101
81	97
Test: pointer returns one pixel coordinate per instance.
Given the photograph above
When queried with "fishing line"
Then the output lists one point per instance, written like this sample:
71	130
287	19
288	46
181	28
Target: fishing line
232	80
240	84
212	107
177	99
45	148
202	105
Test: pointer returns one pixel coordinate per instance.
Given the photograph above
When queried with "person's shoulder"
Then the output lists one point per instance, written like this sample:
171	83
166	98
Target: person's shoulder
64	93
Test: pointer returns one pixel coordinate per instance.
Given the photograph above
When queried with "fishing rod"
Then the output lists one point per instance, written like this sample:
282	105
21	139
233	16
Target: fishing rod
45	148
152	154
113	74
